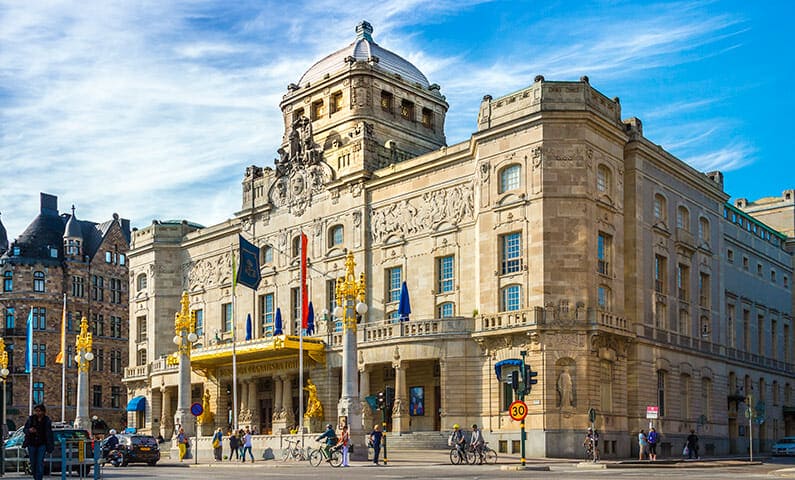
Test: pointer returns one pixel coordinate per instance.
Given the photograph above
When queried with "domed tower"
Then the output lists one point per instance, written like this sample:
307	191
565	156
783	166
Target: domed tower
73	237
361	108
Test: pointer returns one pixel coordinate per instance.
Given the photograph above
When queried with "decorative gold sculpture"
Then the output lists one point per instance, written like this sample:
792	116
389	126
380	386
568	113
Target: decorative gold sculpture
314	409
83	346
184	324
207	415
347	291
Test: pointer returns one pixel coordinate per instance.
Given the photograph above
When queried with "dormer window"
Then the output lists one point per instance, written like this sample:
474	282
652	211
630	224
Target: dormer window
336	102
427	118
53	252
318	110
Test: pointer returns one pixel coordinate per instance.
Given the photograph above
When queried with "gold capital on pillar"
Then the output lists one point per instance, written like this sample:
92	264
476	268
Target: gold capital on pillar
83	346
348	289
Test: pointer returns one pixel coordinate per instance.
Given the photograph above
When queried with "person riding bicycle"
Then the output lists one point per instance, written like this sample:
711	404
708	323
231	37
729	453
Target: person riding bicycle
331	439
459	440
477	442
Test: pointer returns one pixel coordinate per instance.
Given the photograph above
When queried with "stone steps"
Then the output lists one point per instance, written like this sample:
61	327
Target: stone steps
418	441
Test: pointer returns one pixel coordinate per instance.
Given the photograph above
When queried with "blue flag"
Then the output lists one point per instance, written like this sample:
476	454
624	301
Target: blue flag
29	344
248	274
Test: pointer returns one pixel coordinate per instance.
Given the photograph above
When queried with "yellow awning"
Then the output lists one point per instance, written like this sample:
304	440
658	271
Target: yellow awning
262	349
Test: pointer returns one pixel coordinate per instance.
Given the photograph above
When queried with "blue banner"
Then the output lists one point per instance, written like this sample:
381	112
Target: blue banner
248	273
29	343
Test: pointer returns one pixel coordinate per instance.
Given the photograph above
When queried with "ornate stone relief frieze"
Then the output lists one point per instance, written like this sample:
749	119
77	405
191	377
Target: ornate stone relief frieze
423	213
206	272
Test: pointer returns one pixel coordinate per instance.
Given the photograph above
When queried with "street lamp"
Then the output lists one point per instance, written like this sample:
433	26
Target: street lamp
184	338
4	374
83	357
349	407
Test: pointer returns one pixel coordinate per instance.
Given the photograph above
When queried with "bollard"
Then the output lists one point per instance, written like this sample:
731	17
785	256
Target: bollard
97	453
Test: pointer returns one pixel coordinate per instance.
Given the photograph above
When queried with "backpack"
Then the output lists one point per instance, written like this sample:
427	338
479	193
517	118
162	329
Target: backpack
450	440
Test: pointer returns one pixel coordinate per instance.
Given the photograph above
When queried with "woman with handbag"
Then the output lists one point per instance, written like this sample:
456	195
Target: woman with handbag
182	443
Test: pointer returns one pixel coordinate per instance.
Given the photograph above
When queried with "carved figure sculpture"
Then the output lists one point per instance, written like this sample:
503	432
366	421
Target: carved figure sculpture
207	415
314	409
565	388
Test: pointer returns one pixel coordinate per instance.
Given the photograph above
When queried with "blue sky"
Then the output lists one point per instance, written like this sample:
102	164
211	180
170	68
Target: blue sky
153	109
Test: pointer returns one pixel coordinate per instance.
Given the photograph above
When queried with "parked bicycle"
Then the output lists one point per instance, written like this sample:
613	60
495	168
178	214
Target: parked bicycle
334	457
293	451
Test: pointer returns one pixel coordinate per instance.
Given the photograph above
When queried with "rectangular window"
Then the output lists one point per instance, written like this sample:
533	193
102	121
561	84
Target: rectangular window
298	113
747	330
507	396
444	274
407	110
746	263
115	291
704	290
685	393
98	325
602	297
97	396
70	357
661	392
336	102
39	357
115	327
97	288
511	298
115	397
295	308
331	295
427	118
78	288
8	281
773	340
10	318
511	246
760	332
785	343
730	333
730	255
387	101
267	314
70	394
38	281
603	253
141	337
199	316
39	318
446	310
318	110
226	316
98	364
682	282
38	392
115	361
394	279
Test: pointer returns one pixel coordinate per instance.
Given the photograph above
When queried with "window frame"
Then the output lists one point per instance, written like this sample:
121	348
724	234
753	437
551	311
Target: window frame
445	274
510	178
511	258
39	281
511	295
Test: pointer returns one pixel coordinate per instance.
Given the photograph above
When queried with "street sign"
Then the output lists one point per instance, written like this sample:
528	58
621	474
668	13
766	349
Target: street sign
518	410
591	415
652	412
196	409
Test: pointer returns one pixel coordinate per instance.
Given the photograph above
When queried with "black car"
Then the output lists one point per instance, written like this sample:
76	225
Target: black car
137	448
16	457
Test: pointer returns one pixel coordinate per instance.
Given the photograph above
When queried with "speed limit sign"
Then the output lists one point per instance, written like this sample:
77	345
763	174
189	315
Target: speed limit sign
518	410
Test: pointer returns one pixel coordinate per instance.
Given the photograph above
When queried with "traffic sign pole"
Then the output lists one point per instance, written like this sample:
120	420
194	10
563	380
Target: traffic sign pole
196	409
521	398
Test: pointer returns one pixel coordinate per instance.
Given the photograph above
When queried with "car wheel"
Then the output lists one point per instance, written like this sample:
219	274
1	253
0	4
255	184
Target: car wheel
152	463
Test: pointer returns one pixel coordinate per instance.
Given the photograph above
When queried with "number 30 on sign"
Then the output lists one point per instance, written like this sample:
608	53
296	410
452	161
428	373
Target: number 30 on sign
518	410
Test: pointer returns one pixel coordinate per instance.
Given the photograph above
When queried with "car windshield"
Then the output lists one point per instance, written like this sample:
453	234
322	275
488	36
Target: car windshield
144	441
787	441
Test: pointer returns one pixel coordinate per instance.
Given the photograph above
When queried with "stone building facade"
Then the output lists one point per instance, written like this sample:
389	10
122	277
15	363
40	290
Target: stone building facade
58	255
557	229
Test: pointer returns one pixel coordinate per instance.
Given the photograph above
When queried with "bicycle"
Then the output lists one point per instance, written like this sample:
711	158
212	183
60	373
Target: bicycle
481	455
334	457
293	451
458	456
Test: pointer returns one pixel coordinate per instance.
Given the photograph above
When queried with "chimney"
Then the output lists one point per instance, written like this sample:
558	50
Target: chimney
49	204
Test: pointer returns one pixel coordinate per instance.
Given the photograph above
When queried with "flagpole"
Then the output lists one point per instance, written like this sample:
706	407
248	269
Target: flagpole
234	345
63	361
301	338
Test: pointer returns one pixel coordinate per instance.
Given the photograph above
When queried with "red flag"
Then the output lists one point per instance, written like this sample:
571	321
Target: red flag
304	299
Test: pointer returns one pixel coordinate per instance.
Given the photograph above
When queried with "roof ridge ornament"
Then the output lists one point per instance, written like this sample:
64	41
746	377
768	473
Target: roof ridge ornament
364	30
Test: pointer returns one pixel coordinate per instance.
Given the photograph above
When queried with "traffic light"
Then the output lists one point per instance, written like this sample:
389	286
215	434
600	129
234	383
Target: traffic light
389	397
515	380
529	378
381	400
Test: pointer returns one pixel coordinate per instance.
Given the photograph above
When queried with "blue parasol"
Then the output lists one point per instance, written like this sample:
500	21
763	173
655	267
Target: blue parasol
404	306
248	327
277	327
310	321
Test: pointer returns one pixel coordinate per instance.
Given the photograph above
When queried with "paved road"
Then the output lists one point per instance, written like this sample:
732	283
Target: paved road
431	465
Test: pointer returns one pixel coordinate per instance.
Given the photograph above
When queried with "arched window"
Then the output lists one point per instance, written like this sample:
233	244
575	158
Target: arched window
446	310
511	298
141	282
684	392
8	281
706	396
606	385
661	380
659	207
267	254
683	218
684	322
296	246
509	178
38	281
603	179
335	236
703	229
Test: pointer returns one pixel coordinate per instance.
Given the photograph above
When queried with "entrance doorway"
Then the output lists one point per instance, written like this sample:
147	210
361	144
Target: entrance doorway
266	416
437	402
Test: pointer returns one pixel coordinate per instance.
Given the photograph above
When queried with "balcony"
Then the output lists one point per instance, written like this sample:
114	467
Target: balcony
139	372
416	328
685	239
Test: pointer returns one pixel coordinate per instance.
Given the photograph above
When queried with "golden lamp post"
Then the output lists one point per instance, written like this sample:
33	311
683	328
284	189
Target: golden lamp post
4	375
184	338
349	408
82	358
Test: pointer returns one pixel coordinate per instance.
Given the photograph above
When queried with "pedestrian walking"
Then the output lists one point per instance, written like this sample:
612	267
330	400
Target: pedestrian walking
692	445
39	440
247	445
182	443
344	442
218	438
653	437
234	445
375	441
643	444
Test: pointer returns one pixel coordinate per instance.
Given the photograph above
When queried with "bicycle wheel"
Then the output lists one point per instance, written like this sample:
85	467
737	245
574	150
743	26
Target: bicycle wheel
315	458
455	458
491	457
472	457
299	455
336	458
285	454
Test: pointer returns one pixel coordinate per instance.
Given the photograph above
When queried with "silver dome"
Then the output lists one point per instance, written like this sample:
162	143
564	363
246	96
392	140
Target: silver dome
364	49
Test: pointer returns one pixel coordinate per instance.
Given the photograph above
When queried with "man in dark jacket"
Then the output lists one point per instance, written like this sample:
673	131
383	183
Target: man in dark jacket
39	439
692	445
331	439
